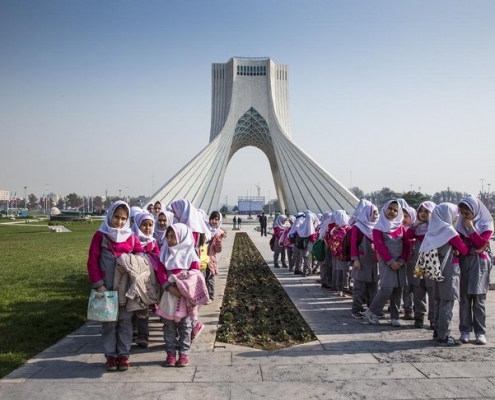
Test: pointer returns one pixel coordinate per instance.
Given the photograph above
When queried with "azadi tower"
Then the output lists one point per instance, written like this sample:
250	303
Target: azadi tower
250	107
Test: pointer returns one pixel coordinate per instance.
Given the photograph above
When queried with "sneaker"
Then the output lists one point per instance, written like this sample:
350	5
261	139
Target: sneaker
209	301
124	363
183	361
396	323
408	316
196	330
419	323
448	342
465	337
171	359
358	315
111	364
381	316
480	339
142	342
372	318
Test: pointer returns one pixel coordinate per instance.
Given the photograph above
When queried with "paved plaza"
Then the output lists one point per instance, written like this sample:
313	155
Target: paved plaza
350	360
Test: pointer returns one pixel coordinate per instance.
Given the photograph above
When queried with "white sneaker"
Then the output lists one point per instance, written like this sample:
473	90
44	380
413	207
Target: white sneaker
396	323
464	337
480	339
372	318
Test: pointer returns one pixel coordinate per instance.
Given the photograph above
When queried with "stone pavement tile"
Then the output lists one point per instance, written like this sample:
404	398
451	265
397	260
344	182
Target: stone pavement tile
474	369
298	358
437	354
233	373
331	372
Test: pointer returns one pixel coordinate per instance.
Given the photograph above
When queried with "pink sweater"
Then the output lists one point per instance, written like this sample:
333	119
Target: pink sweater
382	250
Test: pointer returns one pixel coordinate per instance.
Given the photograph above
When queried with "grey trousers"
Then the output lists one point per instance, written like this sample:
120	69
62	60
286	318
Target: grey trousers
420	293
210	283
140	326
363	292
381	297
297	258
177	335
278	251
443	317
326	272
117	336
340	279
290	258
472	314
407	299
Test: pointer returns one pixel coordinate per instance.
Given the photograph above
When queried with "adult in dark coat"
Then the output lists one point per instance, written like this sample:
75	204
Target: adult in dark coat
263	223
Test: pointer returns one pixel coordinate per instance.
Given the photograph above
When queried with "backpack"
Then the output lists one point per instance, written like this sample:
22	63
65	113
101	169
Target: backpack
203	257
337	242
272	243
319	250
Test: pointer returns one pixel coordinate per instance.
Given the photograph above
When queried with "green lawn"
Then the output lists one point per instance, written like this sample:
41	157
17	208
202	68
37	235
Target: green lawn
44	288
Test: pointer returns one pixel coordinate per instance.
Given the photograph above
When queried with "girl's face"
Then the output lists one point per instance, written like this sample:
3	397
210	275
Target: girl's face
171	239
374	216
150	208
214	221
157	208
162	221
392	211
147	227
406	221
423	214
466	214
119	218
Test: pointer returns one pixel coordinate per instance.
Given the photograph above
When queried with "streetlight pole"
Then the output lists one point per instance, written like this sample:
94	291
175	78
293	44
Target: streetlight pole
25	197
120	191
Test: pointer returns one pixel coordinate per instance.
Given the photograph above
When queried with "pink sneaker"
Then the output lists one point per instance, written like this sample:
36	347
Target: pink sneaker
171	359
196	330
183	361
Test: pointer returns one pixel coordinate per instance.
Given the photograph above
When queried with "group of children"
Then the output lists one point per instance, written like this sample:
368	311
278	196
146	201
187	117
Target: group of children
381	263
170	239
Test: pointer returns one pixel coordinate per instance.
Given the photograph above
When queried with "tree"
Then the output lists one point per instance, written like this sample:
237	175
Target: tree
32	201
74	201
224	209
379	198
448	195
235	208
357	192
98	202
414	199
61	203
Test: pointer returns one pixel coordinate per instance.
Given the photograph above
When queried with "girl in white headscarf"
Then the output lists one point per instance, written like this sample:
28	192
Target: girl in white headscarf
475	225
392	252
364	268
187	213
286	242
416	287
279	226
306	236
164	220
177	254
326	265
340	268
214	247
113	238
441	235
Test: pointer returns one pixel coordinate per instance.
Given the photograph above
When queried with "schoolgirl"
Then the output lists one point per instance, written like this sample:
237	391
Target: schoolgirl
327	225
407	291
297	252
157	207
134	210
364	268
441	235
164	220
214	247
475	224
113	238
287	244
340	267
420	287
279	226
306	233
392	253
177	254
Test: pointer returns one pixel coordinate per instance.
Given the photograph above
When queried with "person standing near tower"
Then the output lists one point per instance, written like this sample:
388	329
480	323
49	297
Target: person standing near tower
263	223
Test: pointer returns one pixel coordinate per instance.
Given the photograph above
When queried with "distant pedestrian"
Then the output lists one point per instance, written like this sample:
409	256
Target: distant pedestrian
239	222
263	223
234	221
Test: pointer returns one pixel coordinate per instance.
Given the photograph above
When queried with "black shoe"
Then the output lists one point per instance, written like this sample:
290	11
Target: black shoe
448	342
298	272
419	323
276	266
435	335
432	326
285	266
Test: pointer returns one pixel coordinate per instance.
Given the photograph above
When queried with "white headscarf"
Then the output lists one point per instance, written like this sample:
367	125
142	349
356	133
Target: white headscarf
402	203
159	234
364	220
117	235
482	220
440	228
189	215
214	229
138	220
183	253
384	224
411	212
135	210
362	203
340	217
280	221
308	226
326	220
295	224
430	206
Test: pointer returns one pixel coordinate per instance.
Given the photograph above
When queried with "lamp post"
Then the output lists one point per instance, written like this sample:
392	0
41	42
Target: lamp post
120	191
25	197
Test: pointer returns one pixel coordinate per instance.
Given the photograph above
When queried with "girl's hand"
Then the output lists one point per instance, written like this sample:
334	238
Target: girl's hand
121	269
395	266
468	224
101	289
357	264
455	252
174	291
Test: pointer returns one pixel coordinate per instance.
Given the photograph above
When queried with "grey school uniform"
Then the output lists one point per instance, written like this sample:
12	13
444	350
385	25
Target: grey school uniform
326	269
475	280
391	282
421	288
445	292
366	277
116	336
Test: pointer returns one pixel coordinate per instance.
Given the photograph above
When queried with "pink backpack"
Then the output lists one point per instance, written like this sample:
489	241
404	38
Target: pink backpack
336	241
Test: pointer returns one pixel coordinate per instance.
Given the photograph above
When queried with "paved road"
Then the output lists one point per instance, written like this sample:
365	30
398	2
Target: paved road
350	360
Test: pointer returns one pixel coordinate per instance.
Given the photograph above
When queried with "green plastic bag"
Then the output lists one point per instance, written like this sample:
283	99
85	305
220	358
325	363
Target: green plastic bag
319	250
103	306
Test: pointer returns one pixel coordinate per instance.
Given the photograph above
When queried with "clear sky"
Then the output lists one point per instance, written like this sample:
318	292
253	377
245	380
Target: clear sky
101	95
